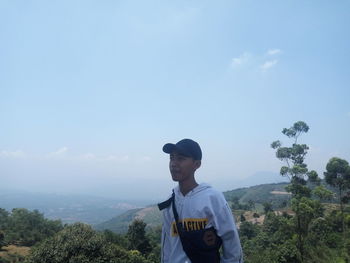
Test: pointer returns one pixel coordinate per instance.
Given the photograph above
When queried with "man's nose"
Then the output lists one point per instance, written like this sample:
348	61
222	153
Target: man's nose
173	163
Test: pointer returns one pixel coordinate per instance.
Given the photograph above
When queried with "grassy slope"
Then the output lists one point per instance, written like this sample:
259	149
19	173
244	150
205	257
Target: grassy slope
150	215
13	253
258	194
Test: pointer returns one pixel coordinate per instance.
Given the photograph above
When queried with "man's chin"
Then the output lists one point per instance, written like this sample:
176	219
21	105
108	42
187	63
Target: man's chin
175	179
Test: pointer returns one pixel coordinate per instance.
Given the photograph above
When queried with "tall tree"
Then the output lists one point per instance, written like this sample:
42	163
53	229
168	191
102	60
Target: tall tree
2	238
322	193
251	204
296	170
338	175
267	207
137	237
4	215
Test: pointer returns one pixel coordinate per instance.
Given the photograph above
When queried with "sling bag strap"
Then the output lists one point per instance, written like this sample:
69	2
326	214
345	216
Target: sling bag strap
176	215
165	204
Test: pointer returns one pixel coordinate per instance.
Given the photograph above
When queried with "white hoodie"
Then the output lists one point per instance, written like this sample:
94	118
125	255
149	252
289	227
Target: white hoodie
203	207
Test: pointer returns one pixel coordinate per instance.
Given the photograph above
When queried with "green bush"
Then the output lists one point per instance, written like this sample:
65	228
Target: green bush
23	227
79	243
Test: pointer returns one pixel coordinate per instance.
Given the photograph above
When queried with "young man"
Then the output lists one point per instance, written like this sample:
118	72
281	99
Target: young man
205	221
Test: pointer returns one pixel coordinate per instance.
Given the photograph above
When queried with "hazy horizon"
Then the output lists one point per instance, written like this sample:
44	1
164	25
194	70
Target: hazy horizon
145	197
91	91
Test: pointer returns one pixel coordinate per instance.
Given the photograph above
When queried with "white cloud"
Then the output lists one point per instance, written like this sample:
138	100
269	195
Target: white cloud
125	158
248	60
15	154
268	64
112	158
272	52
60	151
241	60
88	156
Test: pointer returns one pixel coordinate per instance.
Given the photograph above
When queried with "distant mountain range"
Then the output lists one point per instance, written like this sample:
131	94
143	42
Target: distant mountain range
258	178
68	208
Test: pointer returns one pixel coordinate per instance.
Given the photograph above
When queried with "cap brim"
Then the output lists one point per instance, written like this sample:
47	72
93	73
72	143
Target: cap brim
169	148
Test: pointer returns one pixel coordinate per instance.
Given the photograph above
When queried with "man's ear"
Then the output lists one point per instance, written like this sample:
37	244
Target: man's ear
197	163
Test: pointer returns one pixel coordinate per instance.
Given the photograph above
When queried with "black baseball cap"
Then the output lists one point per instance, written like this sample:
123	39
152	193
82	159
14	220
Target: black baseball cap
186	147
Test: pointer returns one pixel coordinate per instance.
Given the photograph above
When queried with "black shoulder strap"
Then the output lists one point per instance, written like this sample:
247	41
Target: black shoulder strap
166	203
176	215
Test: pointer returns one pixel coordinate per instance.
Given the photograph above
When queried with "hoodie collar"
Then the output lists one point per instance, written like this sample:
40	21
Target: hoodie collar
194	191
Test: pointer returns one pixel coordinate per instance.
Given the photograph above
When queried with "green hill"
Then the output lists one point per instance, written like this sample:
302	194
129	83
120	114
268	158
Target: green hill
119	224
259	194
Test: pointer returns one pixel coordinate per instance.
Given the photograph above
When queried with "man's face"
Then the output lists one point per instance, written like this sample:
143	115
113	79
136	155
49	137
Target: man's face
182	167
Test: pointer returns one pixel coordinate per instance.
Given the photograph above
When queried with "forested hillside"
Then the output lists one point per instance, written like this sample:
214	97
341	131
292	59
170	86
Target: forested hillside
119	224
26	236
269	240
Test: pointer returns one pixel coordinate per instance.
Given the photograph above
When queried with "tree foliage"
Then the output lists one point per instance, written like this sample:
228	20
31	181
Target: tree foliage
338	175
236	205
3	225
267	207
276	239
79	243
322	193
24	227
2	238
309	233
137	237
296	170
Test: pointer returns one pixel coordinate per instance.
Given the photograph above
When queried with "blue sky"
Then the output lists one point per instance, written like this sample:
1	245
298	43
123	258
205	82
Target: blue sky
91	90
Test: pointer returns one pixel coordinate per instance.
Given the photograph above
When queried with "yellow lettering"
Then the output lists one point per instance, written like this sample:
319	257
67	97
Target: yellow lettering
185	225
189	224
